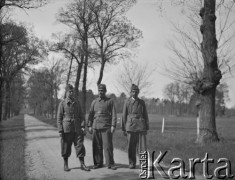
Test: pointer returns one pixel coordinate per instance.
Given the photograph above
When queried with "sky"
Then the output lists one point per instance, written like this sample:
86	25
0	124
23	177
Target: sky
157	31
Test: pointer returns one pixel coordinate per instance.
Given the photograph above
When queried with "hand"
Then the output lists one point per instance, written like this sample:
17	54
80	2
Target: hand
144	133
83	131
124	133
61	134
112	129
90	130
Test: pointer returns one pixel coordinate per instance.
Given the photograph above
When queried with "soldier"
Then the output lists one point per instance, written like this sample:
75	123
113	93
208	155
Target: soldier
71	122
102	122
135	124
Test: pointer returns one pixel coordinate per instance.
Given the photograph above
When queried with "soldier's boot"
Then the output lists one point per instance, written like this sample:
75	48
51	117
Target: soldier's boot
66	167
83	166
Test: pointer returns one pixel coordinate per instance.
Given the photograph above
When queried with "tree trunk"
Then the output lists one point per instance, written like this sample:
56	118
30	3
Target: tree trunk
68	75
211	75
6	99
84	85
9	104
1	74
1	99
52	102
56	100
79	71
101	73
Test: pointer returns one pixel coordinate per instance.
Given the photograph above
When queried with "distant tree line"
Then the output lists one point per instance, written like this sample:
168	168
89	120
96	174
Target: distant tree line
180	100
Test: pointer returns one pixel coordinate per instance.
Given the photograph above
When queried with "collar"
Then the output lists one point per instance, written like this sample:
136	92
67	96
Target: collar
104	98
133	100
69	100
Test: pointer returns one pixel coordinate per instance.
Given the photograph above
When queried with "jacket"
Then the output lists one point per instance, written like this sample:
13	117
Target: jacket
70	117
135	116
102	114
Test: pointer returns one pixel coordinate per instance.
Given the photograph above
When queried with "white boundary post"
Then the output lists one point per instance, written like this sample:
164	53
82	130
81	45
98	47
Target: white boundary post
163	124
198	125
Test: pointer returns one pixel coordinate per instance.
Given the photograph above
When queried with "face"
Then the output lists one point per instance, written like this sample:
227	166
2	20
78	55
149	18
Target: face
134	93
101	93
70	93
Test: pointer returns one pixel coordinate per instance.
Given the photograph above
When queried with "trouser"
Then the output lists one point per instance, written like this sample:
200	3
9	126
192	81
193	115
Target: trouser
102	139
66	143
136	143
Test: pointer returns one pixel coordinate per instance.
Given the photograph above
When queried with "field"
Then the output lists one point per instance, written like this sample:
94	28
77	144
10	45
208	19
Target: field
179	138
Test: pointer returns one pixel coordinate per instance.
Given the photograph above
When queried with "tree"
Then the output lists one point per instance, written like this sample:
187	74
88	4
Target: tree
179	96
133	73
79	17
206	86
113	34
18	95
71	48
4	4
42	93
20	49
55	70
24	4
199	62
220	99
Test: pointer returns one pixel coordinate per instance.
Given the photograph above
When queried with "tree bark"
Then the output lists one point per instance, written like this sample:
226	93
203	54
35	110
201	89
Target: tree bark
68	75
6	100
85	74
84	85
79	71
1	100
1	73
101	73
206	87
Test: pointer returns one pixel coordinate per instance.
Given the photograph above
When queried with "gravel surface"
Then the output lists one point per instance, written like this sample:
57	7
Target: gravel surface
43	160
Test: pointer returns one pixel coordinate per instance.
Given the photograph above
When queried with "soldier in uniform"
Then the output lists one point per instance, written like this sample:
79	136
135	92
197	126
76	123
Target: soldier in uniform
71	126
135	124
102	122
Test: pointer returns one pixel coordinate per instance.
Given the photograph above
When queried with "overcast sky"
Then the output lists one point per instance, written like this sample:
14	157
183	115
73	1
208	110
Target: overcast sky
145	16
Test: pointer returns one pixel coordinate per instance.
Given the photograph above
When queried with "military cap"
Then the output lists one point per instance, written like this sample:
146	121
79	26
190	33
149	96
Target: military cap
69	87
102	87
134	87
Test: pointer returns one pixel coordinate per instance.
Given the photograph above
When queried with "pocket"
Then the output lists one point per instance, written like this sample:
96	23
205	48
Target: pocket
67	120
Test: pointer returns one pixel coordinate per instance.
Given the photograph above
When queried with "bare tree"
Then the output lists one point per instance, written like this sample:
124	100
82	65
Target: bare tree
187	63
197	63
131	72
113	35
79	17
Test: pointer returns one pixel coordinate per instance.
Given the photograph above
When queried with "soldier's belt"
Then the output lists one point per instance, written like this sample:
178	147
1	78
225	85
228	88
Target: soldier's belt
135	115
102	115
69	117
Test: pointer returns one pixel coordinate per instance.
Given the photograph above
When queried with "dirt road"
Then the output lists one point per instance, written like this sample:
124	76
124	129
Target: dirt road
44	162
43	159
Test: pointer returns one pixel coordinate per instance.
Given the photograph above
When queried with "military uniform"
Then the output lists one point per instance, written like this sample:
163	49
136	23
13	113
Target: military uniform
136	123
101	118
70	121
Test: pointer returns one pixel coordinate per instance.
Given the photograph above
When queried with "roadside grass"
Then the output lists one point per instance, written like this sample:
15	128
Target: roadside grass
179	138
12	146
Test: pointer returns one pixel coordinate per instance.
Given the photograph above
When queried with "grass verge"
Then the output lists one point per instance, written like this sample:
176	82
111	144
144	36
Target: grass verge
12	146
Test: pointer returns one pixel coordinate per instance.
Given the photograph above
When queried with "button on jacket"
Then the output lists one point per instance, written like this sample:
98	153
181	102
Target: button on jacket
102	114
70	117
135	116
